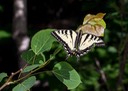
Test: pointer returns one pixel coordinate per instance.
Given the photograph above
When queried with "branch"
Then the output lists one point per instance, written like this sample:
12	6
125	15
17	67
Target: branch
103	76
122	63
124	47
9	81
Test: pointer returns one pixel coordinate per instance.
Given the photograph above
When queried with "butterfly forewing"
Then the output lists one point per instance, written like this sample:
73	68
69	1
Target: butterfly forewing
67	38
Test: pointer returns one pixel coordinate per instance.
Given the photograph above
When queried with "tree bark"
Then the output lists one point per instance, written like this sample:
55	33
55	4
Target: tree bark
20	27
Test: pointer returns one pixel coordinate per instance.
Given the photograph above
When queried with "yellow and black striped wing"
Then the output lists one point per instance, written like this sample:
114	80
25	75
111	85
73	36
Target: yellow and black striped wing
67	38
88	41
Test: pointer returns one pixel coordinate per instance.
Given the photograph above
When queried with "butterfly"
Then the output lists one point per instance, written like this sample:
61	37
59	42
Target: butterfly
77	43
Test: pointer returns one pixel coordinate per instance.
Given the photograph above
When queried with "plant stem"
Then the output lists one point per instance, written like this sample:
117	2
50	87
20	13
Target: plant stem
103	76
8	82
40	67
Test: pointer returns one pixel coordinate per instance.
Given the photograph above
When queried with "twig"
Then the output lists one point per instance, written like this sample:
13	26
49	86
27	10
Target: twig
122	63
102	73
122	54
8	82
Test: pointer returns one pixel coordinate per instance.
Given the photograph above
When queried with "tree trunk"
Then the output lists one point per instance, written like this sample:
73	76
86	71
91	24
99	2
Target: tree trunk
20	28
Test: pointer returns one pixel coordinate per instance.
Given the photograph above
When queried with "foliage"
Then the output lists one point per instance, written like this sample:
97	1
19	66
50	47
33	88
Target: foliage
25	85
4	34
67	75
2	75
35	57
93	24
102	69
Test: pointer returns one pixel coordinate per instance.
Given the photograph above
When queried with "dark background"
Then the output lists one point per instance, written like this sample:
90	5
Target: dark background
69	14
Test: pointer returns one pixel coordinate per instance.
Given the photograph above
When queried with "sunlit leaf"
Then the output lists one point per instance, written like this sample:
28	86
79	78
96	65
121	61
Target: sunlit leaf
95	19
29	68
25	85
67	75
93	24
2	75
97	30
42	41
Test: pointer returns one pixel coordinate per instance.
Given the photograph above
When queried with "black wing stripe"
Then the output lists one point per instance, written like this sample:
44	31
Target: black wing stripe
63	32
86	37
71	34
60	40
85	51
100	44
99	39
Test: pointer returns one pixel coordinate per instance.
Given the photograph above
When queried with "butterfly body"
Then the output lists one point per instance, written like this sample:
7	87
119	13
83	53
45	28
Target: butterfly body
77	43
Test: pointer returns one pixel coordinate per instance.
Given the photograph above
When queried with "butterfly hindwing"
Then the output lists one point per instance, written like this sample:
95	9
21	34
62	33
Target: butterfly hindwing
87	42
67	38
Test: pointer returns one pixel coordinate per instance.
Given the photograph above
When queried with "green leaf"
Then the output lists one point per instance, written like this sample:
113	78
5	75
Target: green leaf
112	49
4	34
67	75
101	52
30	57
25	85
2	75
31	67
42	41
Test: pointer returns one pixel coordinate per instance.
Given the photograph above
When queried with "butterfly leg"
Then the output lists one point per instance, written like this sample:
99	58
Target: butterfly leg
68	56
